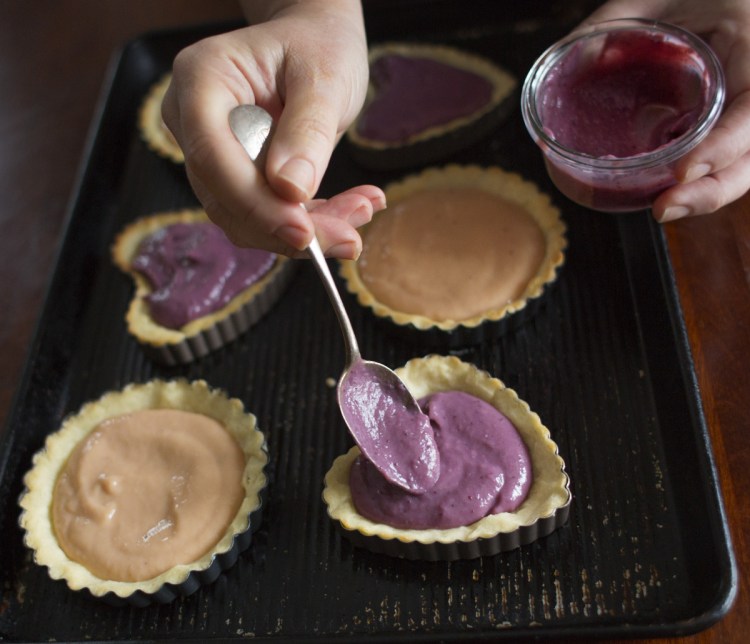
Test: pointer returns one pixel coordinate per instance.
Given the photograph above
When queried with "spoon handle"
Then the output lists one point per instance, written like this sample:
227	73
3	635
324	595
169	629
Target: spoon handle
251	126
321	265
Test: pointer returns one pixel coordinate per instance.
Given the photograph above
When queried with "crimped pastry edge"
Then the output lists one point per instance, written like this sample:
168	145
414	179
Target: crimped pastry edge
196	396
545	509
151	125
508	185
205	334
503	86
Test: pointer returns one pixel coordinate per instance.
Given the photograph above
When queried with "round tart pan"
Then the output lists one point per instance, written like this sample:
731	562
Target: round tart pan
202	335
183	579
437	142
436	339
439	335
545	509
453	551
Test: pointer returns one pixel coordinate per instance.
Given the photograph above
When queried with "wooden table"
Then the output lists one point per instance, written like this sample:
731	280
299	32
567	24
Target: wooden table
53	58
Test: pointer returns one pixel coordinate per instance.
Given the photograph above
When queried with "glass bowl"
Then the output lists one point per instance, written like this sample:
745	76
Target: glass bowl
613	108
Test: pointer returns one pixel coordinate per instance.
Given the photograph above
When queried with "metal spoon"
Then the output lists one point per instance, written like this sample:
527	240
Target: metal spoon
380	412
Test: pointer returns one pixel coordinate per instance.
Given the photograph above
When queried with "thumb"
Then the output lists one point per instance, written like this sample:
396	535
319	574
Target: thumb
302	144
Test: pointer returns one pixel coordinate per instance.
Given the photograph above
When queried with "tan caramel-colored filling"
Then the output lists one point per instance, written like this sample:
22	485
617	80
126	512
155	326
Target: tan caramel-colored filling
147	491
451	253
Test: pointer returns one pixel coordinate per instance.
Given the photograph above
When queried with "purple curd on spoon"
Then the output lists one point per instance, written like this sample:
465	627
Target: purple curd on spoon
389	427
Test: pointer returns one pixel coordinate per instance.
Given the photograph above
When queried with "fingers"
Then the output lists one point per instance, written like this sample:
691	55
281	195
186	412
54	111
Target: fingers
355	205
730	138
704	195
337	237
302	144
334	221
312	101
372	193
250	212
615	9
716	172
244	230
322	95
726	143
216	164
337	218
336	231
256	213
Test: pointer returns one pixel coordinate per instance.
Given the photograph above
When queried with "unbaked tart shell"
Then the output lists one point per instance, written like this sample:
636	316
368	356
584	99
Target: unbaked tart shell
152	127
205	334
491	323
183	579
545	509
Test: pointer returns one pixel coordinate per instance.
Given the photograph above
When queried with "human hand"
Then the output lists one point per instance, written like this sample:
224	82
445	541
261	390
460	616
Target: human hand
306	64
717	171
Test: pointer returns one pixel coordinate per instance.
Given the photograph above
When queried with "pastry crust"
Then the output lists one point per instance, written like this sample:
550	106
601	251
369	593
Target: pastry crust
545	508
48	463
439	141
495	181
203	334
153	130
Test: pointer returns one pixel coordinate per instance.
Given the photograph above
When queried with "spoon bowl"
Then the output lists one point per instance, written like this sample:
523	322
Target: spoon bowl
388	425
382	416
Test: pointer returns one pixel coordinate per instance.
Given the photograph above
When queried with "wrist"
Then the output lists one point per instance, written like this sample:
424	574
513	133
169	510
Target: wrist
257	11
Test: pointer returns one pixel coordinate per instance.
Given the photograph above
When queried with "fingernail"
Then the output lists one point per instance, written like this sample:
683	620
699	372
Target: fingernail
293	236
345	250
378	203
360	216
674	212
300	174
696	172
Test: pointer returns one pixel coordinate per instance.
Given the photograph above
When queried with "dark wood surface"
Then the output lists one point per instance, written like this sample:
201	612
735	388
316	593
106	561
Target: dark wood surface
53	59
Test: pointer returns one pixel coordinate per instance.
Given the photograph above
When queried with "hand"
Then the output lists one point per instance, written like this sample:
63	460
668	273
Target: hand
717	171
306	64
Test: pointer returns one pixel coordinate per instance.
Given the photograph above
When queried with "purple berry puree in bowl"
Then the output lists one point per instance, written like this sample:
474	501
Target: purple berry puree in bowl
614	107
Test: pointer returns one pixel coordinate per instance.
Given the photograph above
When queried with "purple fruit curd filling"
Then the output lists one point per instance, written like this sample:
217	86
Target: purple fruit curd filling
634	94
195	270
485	468
413	94
397	440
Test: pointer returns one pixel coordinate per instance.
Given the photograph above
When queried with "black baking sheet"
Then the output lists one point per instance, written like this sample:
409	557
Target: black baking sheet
605	363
